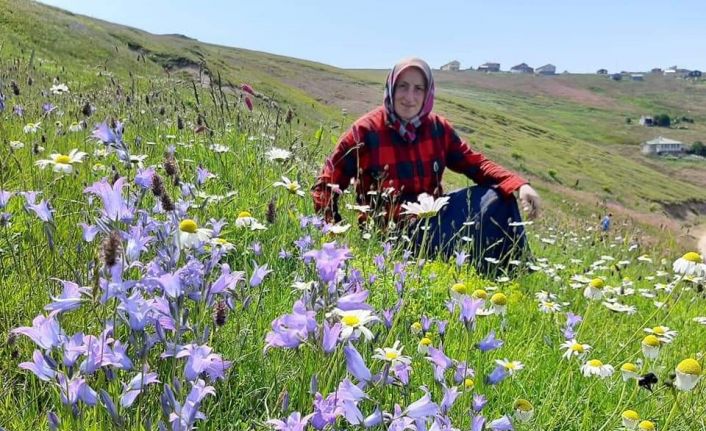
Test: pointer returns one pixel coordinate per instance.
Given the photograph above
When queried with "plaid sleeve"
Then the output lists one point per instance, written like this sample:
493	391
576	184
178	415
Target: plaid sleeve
339	168
462	159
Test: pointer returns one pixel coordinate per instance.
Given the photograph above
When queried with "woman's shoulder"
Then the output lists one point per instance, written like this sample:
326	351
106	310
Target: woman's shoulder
373	119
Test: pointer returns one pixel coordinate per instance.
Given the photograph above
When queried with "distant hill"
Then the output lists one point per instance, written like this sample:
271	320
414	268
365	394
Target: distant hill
576	137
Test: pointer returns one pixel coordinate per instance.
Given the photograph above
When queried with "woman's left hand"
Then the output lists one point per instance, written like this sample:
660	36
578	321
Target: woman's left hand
530	201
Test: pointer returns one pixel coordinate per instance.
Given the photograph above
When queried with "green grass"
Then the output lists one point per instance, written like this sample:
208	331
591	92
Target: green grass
552	141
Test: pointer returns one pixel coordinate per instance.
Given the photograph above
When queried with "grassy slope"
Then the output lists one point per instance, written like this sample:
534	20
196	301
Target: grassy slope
566	130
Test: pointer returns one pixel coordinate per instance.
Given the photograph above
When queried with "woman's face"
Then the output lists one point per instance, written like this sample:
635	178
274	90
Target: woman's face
409	94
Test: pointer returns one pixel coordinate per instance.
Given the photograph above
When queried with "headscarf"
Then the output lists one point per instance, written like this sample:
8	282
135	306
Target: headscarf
408	129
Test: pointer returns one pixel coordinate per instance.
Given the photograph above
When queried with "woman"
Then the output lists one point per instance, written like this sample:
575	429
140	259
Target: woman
401	149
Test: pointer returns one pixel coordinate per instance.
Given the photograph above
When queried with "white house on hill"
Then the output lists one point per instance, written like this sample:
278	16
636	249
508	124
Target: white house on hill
660	145
453	66
547	69
489	67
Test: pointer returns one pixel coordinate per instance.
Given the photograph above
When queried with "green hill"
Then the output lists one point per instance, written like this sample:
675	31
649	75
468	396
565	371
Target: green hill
569	134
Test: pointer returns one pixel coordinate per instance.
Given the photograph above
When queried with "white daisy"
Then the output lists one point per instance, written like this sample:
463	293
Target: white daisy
691	263
510	366
594	290
75	127
594	367
190	235
245	219
549	307
275	154
426	206
354	322
688	374
393	355
59	89
663	333
524	410
620	308
499	303
336	229
218	148
16	145
292	187
650	347
574	349
222	244
630	419
31	127
62	162
644	258
629	371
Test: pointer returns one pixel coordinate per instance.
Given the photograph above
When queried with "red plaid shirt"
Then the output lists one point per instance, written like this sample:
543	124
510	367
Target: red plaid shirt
374	157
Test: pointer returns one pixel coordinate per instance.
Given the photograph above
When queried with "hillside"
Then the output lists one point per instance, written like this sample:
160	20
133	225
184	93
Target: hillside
567	133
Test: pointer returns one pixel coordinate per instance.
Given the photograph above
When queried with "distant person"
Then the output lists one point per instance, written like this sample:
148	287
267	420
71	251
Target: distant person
400	150
606	222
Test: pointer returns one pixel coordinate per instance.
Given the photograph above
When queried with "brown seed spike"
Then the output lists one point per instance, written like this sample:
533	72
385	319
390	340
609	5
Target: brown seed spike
112	245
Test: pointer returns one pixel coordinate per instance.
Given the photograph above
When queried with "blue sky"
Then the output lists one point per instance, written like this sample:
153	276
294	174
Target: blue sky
578	36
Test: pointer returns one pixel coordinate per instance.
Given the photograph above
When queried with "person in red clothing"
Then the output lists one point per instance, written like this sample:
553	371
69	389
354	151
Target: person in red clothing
400	150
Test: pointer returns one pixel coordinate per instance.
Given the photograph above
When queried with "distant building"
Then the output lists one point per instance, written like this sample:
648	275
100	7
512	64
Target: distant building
453	66
660	146
602	71
647	121
547	69
522	68
695	74
616	76
657	70
489	67
637	77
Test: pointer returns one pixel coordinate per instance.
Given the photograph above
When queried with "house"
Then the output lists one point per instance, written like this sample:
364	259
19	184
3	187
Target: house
657	70
647	121
547	69
453	66
522	68
602	72
489	67
637	77
660	145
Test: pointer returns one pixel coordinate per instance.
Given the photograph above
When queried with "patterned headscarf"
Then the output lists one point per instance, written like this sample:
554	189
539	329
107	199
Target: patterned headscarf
408	129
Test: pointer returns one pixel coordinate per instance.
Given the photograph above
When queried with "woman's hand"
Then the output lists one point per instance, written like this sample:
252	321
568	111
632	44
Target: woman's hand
530	201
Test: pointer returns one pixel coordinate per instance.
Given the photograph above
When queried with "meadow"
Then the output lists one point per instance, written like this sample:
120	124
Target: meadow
162	268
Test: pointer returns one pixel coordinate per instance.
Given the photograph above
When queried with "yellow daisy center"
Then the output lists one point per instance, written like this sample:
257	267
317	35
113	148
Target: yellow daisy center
689	366
350	320
693	256
63	159
630	367
460	288
468	383
510	366
425	341
391	355
548	304
659	330
417	326
578	348
243	214
220	241
597	283
651	341
646	426
499	299
293	187
631	415
595	363
188	225
480	294
523	405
